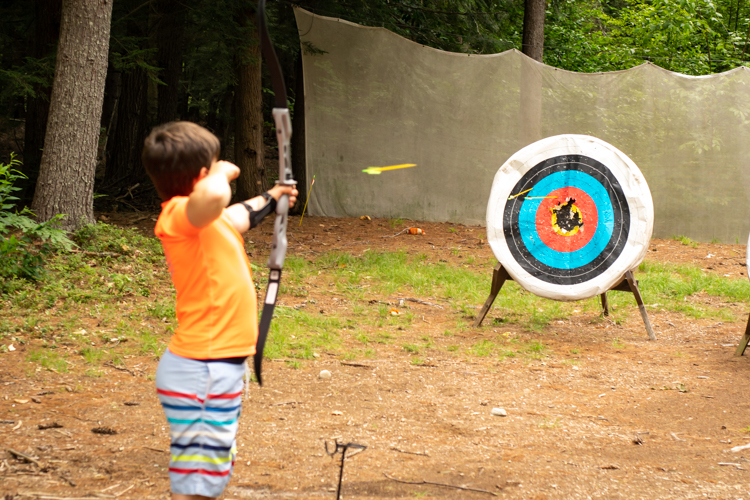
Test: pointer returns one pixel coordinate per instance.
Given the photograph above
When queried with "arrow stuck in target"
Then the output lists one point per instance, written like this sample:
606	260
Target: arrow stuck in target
530	197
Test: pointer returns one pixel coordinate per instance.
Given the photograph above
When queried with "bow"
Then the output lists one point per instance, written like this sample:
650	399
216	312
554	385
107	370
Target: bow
283	125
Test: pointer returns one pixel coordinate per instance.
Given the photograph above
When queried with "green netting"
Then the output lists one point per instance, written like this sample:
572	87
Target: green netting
373	98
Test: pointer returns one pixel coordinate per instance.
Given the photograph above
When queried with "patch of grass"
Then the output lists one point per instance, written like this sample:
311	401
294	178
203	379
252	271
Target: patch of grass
48	359
394	223
101	237
161	310
363	338
428	343
383	338
535	350
91	355
507	353
483	348
672	286
151	344
549	423
299	334
411	348
617	343
685	241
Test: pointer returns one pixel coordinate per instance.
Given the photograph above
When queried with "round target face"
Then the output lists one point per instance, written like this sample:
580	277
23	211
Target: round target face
568	216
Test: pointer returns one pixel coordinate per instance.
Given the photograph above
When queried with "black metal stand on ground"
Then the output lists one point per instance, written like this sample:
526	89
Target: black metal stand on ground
627	284
743	343
342	448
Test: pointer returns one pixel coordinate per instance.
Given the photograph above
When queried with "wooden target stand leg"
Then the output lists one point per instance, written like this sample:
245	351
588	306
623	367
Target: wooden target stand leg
743	343
627	284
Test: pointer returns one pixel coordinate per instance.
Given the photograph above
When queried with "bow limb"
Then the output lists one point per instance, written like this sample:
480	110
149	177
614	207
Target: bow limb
283	125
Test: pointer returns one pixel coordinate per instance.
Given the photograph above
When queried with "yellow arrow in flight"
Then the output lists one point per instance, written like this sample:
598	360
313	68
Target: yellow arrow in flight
378	170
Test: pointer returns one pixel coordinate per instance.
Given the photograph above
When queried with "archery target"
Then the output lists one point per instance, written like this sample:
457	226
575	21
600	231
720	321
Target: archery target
568	216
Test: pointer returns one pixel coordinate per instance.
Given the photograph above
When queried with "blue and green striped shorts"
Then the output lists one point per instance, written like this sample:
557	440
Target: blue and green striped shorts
202	402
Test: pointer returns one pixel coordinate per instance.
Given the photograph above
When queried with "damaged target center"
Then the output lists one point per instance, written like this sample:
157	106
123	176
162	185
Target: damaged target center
567	219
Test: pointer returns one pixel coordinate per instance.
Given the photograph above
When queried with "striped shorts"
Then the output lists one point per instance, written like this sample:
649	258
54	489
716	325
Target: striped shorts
202	402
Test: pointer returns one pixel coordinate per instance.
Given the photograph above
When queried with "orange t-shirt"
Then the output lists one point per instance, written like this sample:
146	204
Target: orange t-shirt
216	302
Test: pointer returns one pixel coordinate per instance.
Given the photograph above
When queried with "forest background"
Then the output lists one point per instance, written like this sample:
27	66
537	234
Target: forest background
155	61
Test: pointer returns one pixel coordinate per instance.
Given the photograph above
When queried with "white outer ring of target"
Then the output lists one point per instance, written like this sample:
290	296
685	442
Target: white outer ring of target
634	188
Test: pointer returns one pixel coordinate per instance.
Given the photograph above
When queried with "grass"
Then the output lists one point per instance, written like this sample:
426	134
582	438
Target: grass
671	286
48	359
549	423
119	296
686	241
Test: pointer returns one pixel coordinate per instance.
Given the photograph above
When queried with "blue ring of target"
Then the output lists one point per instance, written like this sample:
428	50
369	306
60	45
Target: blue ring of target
616	222
582	256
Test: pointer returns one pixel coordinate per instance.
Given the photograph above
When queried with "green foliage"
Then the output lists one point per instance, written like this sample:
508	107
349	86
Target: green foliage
9	174
19	259
695	37
23	251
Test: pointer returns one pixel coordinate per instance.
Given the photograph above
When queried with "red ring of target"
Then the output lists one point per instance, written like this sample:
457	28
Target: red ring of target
589	216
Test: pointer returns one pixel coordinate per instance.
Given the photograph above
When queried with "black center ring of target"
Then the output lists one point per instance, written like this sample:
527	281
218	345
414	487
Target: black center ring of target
613	248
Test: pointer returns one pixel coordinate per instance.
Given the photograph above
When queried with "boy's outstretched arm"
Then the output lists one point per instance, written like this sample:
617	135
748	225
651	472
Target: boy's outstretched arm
211	193
241	214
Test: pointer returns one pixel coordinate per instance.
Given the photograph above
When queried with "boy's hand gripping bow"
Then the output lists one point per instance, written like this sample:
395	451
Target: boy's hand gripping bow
283	125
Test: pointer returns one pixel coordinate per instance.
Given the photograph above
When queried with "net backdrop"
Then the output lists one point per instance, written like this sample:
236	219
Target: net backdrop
373	98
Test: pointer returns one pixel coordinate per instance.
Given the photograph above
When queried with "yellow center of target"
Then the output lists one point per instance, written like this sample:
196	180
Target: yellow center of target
567	219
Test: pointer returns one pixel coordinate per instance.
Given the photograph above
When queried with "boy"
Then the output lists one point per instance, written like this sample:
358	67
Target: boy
199	379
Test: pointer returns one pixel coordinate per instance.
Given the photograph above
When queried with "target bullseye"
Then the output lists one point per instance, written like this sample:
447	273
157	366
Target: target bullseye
568	216
567	219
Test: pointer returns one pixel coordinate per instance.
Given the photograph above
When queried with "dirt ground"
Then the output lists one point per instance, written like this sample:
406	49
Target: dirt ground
596	418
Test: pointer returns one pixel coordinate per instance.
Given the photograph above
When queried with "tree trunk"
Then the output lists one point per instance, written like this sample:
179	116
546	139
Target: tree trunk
299	161
43	39
248	117
66	173
169	38
533	28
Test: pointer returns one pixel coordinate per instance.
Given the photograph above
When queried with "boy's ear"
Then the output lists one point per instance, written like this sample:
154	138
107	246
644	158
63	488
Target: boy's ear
202	174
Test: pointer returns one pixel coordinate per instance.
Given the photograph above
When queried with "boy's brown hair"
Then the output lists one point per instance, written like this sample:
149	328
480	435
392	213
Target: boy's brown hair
173	155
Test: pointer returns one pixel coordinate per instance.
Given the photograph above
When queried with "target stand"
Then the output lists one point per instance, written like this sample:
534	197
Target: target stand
743	342
627	284
745	338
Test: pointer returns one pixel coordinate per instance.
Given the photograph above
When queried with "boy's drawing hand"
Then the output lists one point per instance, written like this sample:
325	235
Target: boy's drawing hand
211	193
231	170
280	189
